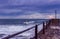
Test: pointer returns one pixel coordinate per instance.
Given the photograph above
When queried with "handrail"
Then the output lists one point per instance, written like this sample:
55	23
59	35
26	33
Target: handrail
10	36
36	27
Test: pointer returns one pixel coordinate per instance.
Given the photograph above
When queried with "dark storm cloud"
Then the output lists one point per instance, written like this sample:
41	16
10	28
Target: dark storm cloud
21	7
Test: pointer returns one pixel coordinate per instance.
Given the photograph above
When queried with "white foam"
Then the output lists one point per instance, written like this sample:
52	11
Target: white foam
11	29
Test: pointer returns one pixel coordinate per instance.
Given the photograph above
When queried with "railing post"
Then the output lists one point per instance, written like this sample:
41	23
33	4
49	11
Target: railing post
36	31
43	28
46	24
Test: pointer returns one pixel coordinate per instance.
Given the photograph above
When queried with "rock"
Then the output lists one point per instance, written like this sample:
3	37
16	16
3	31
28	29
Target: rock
55	37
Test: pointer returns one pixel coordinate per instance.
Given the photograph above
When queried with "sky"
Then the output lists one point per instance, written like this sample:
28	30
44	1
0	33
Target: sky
29	9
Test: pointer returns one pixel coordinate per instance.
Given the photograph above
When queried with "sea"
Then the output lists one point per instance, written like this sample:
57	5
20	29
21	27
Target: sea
12	26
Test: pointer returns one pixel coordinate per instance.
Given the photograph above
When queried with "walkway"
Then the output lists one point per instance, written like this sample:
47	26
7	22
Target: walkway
52	32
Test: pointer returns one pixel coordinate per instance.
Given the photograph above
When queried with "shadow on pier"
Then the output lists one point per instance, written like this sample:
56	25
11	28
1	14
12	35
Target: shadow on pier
51	30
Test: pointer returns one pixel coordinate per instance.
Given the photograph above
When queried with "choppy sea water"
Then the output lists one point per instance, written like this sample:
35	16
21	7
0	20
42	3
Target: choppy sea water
11	26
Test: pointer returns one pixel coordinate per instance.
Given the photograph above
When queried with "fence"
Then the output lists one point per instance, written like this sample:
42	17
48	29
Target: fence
36	30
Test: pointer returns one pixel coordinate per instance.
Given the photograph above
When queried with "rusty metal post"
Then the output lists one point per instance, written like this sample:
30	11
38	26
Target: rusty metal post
36	32
43	28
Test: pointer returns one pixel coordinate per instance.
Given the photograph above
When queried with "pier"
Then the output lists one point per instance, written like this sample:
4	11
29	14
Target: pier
51	30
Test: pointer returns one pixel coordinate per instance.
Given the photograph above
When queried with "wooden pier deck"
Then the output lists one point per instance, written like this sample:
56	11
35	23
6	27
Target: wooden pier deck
52	31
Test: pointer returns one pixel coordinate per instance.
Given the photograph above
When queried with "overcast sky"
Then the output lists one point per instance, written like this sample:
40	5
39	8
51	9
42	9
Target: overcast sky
36	9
